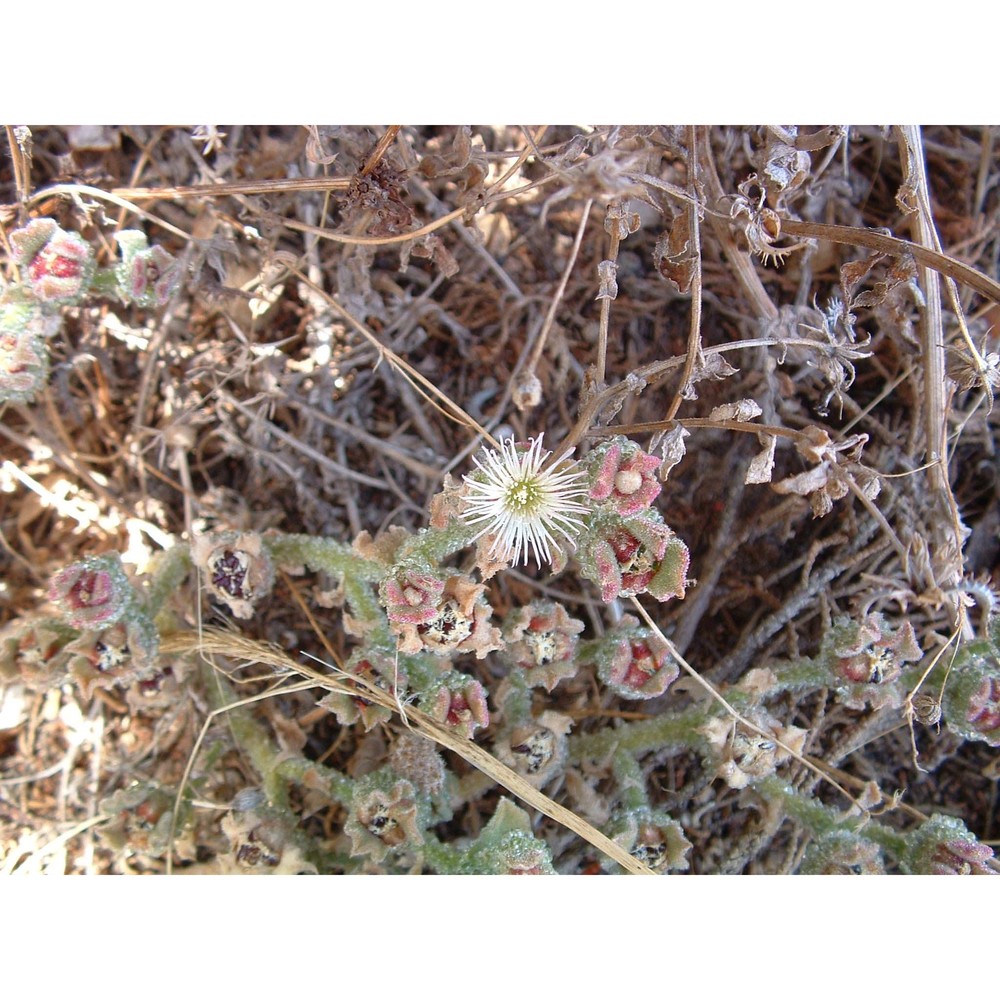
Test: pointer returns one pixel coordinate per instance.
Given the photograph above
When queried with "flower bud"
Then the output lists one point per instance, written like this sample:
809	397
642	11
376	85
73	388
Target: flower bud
632	661
635	556
57	265
93	593
147	275
373	668
842	852
458	702
262	840
944	846
623	476
971	700
24	354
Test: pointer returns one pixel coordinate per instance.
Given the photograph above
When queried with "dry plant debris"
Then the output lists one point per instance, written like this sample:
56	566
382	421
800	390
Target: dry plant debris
291	582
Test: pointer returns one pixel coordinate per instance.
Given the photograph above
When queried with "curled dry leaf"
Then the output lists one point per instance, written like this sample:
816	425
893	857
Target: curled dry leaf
761	467
671	447
709	366
742	410
672	254
607	273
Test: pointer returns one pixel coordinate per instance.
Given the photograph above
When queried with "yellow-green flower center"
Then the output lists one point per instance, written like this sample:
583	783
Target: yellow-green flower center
522	494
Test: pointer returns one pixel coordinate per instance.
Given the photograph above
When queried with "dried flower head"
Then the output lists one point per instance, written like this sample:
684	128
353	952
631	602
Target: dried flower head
121	654
236	568
262	842
521	504
652	837
385	815
33	652
536	749
542	639
441	616
875	653
745	755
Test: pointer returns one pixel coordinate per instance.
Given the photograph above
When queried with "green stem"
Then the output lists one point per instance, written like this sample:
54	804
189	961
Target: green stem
822	819
675	729
631	783
168	570
322	555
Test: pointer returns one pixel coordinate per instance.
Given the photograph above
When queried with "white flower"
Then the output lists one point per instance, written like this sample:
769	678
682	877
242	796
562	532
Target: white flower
522	505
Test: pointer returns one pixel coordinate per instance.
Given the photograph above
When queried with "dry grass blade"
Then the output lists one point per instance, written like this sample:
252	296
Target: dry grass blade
239	647
871	240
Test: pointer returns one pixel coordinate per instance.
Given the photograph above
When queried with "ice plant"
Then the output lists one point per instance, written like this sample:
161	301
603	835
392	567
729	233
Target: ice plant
57	265
521	504
93	593
147	275
625	478
972	701
943	845
235	567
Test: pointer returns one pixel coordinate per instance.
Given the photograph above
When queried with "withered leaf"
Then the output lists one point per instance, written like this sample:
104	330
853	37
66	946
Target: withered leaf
853	273
433	247
743	410
709	366
672	449
607	273
761	467
462	162
672	256
620	221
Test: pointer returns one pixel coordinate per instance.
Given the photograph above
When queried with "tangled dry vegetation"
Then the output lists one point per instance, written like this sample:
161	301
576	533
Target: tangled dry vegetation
795	322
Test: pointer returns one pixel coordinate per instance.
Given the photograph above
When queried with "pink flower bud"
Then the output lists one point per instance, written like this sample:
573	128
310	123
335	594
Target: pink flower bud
626	478
640	667
147	275
944	846
460	704
58	265
640	555
972	701
92	594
